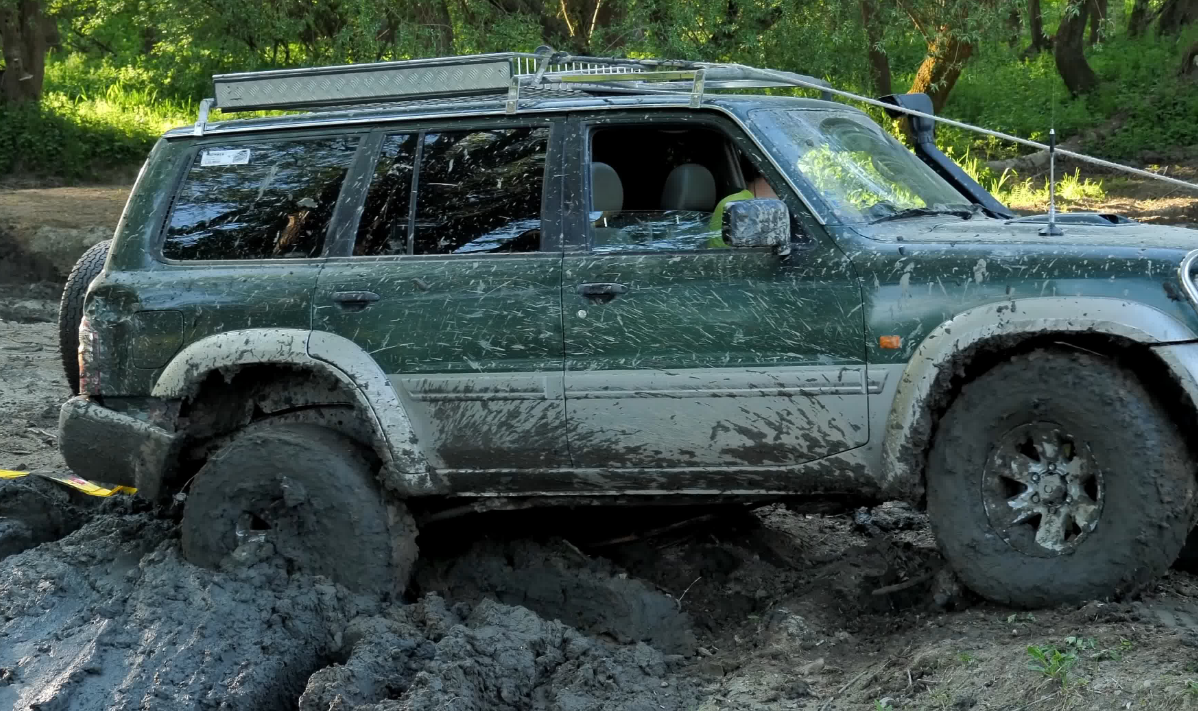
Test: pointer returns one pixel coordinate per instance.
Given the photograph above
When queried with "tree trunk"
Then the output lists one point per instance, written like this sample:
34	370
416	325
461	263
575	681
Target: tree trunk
1137	22
1176	14
1098	10
1014	27
433	18
1069	49
1040	41
879	63
941	67
26	35
1189	61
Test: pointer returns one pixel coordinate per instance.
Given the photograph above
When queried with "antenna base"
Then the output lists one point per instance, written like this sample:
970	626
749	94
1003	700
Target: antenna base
1051	230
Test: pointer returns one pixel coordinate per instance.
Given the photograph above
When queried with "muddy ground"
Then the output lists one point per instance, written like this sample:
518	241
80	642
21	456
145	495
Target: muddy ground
730	609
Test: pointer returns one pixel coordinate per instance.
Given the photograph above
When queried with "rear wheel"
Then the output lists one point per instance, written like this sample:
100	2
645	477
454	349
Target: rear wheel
1055	478
70	308
309	492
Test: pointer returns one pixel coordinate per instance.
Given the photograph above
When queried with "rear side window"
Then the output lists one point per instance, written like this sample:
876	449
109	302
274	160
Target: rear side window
261	200
480	191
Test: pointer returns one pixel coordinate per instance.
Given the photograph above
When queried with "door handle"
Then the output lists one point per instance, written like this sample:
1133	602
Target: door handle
601	291
359	299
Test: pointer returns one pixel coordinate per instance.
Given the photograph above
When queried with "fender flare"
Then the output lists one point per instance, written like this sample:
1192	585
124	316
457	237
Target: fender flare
908	425
405	468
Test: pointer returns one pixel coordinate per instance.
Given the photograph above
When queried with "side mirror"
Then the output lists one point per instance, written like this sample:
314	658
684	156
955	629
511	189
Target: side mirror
764	222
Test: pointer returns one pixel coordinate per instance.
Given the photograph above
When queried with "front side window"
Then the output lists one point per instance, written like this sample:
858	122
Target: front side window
859	170
664	187
480	191
259	200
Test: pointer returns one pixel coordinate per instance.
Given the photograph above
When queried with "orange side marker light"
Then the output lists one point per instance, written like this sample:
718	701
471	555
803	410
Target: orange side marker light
890	342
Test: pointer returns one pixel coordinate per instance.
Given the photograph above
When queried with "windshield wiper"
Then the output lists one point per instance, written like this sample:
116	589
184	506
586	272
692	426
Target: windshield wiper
963	213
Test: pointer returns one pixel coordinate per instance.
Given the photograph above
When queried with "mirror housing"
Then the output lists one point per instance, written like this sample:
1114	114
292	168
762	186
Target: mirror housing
762	222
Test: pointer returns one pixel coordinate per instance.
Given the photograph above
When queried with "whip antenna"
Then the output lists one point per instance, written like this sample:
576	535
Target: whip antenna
1052	229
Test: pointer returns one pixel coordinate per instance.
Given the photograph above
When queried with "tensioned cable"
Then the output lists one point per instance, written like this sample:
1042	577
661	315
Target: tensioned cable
788	78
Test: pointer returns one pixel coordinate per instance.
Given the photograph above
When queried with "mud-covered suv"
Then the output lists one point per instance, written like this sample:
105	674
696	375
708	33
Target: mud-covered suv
520	279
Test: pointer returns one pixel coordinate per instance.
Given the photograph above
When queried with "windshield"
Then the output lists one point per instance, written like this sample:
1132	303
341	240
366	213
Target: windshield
860	171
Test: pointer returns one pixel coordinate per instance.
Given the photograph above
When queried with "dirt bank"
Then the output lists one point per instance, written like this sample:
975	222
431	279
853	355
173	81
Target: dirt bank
43	230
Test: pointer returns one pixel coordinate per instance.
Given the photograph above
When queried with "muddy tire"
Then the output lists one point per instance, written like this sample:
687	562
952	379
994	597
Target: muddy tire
70	308
1055	478
311	493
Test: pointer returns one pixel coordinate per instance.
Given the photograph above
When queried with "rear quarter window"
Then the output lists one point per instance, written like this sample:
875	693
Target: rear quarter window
270	199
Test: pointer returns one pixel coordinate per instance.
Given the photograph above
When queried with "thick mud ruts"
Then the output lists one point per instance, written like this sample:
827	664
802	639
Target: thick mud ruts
111	617
562	583
491	657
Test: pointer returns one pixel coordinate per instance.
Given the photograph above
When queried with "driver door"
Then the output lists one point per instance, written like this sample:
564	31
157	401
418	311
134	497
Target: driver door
685	355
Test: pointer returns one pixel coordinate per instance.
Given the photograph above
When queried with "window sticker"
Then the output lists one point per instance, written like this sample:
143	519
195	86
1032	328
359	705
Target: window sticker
239	156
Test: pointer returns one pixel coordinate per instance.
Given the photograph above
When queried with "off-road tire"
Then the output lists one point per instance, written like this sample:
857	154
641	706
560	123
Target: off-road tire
70	308
1147	471
316	489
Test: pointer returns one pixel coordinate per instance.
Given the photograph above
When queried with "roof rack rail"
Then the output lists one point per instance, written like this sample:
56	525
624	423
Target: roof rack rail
497	74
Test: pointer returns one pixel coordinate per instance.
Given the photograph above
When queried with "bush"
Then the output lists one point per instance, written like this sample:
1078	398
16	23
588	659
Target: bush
89	118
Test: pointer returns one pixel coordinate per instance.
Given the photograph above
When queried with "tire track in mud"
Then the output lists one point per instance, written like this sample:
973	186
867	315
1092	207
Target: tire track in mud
110	617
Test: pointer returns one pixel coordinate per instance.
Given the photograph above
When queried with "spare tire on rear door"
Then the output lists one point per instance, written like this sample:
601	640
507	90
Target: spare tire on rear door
70	309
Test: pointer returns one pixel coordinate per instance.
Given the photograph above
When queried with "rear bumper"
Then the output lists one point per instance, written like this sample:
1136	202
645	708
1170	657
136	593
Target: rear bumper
107	446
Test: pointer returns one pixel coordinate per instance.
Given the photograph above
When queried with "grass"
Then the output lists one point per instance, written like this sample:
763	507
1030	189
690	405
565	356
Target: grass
1029	194
1139	91
90	118
1051	662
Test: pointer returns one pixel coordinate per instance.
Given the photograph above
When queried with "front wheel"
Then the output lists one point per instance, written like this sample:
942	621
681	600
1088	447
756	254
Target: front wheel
1055	478
308	491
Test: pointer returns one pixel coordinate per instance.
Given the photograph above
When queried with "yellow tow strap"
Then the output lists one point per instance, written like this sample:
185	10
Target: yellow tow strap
87	487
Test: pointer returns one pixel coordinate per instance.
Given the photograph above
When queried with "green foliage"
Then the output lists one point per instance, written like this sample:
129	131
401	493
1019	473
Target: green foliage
1141	102
89	118
128	68
1052	662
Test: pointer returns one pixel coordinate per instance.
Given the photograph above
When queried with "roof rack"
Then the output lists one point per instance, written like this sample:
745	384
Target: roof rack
509	73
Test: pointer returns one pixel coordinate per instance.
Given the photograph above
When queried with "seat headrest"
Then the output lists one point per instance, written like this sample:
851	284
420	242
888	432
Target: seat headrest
607	192
689	187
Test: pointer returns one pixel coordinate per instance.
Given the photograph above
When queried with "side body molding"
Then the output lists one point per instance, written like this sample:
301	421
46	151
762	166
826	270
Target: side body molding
405	468
909	425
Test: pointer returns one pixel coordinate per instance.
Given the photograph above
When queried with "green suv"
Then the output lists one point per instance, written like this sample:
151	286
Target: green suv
514	280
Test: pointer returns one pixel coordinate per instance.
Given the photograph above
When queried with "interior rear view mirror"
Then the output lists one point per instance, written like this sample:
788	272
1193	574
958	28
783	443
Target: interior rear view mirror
764	222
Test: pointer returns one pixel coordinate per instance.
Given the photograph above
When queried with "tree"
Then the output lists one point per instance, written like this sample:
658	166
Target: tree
26	36
1189	61
1098	10
1175	14
1069	49
879	63
1040	40
946	30
1137	22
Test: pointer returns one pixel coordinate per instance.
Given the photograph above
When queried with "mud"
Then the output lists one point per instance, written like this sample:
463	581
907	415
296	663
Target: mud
766	609
560	582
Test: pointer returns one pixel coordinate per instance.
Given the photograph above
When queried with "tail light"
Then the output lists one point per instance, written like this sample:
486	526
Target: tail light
89	358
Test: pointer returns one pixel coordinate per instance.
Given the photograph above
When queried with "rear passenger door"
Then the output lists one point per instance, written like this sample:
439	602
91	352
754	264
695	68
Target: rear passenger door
451	280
